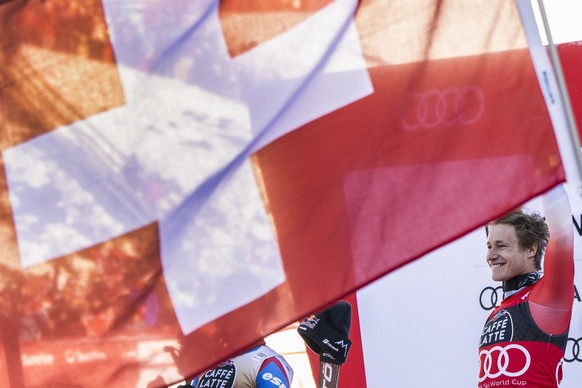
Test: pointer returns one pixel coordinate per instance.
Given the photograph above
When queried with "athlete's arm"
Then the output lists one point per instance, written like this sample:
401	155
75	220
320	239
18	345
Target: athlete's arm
551	301
272	374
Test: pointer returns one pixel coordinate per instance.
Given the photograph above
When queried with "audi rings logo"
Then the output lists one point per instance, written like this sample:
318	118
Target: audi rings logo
447	107
490	297
573	350
512	360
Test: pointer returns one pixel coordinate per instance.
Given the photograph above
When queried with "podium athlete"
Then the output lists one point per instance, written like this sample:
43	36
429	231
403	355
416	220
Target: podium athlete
524	338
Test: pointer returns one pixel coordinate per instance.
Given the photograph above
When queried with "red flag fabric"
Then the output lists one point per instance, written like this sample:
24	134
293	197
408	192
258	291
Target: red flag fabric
439	148
182	178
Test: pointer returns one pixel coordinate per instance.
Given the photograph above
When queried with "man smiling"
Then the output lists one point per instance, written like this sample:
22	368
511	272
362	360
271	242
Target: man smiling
524	338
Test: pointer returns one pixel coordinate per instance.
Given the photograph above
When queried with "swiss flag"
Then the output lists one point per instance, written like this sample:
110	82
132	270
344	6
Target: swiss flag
182	178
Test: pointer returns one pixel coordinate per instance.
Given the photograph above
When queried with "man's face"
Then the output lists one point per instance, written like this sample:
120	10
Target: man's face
504	256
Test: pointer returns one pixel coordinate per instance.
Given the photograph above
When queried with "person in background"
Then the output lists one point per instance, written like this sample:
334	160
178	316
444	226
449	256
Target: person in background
258	366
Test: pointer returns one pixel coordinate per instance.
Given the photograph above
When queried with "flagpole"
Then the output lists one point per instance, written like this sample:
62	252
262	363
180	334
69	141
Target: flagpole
567	106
